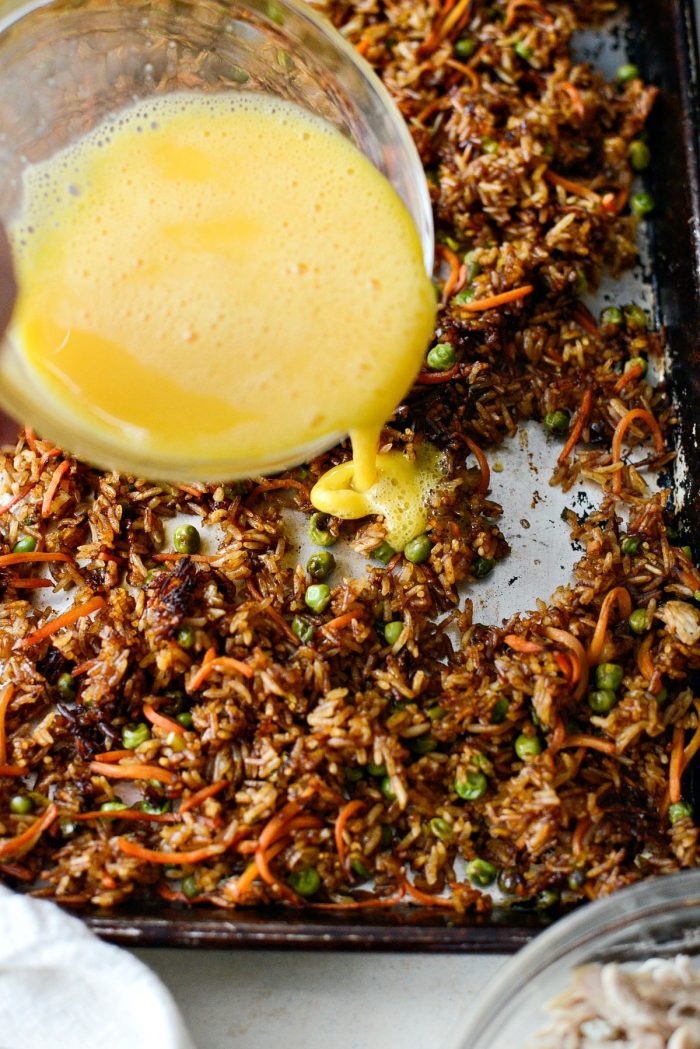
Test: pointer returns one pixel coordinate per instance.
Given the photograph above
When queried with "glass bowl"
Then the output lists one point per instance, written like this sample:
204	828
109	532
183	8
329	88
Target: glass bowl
656	919
65	65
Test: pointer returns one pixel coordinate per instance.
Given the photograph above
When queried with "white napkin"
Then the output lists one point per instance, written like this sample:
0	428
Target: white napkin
60	986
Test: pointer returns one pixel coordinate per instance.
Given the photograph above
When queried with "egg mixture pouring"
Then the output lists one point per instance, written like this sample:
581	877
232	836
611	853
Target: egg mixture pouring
225	281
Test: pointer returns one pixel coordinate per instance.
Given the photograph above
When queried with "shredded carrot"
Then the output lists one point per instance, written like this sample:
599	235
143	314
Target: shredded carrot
37	557
69	617
18	498
618	595
279	482
644	660
675	768
605	746
491	301
585	319
433	378
564	637
694	745
485	479
520	644
453	262
107	555
225	663
176	859
132	815
343	816
198	558
161	721
630	375
133	771
18	583
30	438
426	898
576	188
251	872
620	431
363	47
83	668
565	666
471	74
454	17
114	755
199	796
615	202
274	825
582	418
357	905
516	5
340	621
576	98
53	486
29	837
557	737
13	770
5	700
189	489
582	828
434	39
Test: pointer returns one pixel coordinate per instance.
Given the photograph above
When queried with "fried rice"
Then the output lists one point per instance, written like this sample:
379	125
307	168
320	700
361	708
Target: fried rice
189	729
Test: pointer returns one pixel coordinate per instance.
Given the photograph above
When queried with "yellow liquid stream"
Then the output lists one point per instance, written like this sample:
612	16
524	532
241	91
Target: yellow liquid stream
222	283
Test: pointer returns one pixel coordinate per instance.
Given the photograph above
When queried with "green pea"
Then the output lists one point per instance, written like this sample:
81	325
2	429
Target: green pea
556	422
481	872
384	553
630	545
320	565
305	882
25	545
612	317
436	713
451	243
471	786
635	318
679	811
318	530
151	575
602	701
489	145
548	898
581	283
473	265
385	787
185	719
67	686
116	805
303	629
417	550
376	770
423	745
499	711
186	539
661	696
21	805
353	774
527	746
688	552
638	621
441	829
317	597
626	72
548	150
155	810
483	566
465	47
359	869
639	154
577	879
639	364
134	735
393	631
609	675
441	357
465	295
238	75
642	204
185	637
522	50
189	886
386	838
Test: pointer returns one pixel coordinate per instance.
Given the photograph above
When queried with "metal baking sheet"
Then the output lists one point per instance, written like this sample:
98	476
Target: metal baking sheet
660	37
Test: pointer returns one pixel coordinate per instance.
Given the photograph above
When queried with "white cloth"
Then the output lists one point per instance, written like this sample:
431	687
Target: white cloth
61	987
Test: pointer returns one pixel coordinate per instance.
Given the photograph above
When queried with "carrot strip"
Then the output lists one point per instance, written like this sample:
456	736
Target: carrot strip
618	595
189	489
453	262
582	828
53	486
38	557
30	438
275	483
218	663
474	78
433	378
426	898
363	47
585	319
29	837
199	796
592	742
83	668
491	301
455	16
575	96
161	721
5	700
13	770
340	621
576	188
18	498
18	583
565	666
251	873
694	745
485	479
644	660
582	418
343	816
114	755
519	644
564	637
356	905
675	768
69	617
629	376
620	431
134	771
176	859
202	559
516	5
126	814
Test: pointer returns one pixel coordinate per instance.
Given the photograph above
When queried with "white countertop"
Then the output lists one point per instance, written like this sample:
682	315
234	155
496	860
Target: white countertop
311	1000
